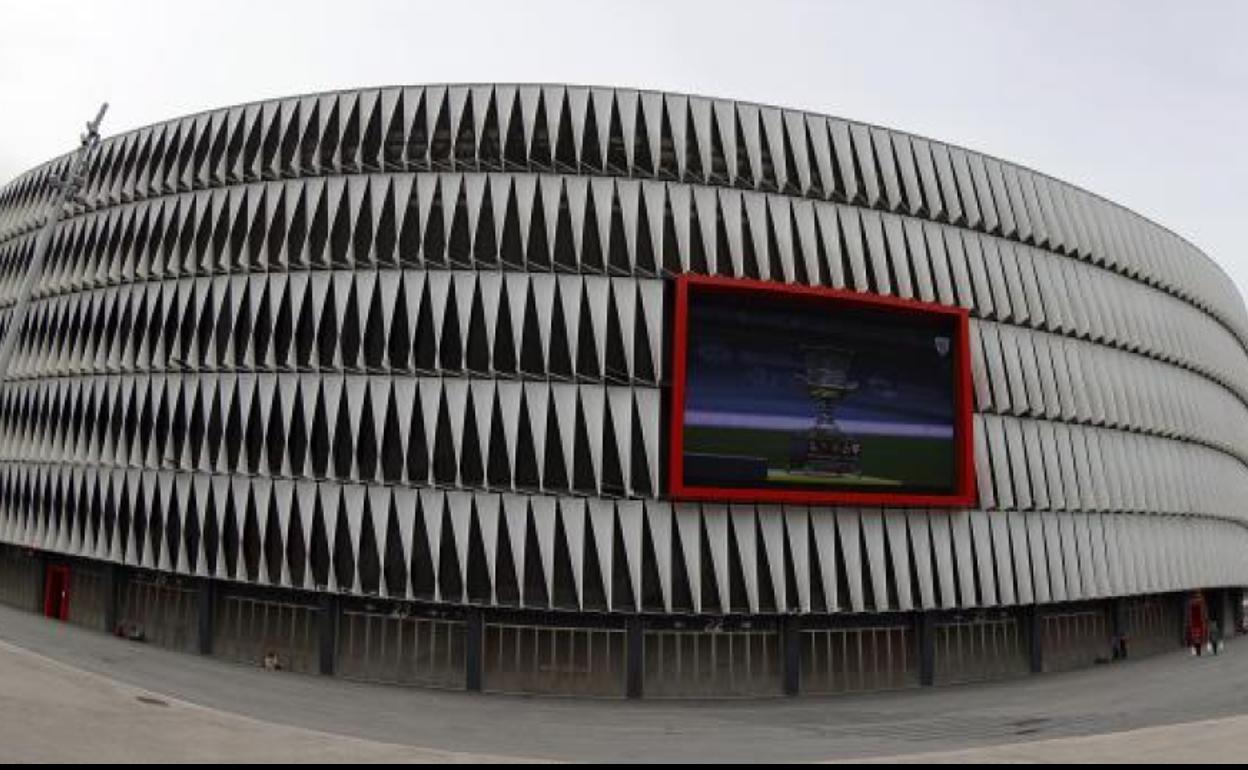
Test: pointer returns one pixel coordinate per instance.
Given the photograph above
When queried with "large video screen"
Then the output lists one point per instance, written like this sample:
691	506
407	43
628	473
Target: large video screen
810	395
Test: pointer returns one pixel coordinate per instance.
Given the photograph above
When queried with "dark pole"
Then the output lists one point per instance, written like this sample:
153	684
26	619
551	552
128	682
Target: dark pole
791	631
329	632
1035	637
206	601
636	639
925	623
116	586
474	655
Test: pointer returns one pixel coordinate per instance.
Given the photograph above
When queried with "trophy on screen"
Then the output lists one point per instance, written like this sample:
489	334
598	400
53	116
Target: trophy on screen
824	448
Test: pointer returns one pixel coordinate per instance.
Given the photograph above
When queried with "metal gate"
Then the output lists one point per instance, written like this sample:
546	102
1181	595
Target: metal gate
400	649
979	649
713	664
554	660
20	580
1152	625
163	610
858	659
89	589
249	630
1075	639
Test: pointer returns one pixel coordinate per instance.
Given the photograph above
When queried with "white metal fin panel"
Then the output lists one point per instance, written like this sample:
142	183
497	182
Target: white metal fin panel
853	227
830	235
630	515
659	520
807	239
823	522
564	397
894	237
597	294
543	291
744	529
405	509
873	230
602	518
536	401
797	526
648	404
1090	566
570	296
677	109
981	535
795	126
432	502
899	552
603	100
516	512
483	414
873	537
572	513
747	117
848	527
715	519
940	523
1076	586
924	263
1021	556
771	523
624	294
1034	523
543	510
379	513
1105	524
778	207
689	527
593	406
459	505
773	128
1002	557
921	548
1054	544
889	177
620	402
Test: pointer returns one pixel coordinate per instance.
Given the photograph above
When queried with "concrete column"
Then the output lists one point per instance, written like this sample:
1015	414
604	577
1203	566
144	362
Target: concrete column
115	585
1182	600
328	632
1034	621
791	636
925	627
1226	612
41	581
474	655
206	601
635	645
1118	621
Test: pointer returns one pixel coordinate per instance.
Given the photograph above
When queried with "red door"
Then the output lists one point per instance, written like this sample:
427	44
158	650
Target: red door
56	593
1197	620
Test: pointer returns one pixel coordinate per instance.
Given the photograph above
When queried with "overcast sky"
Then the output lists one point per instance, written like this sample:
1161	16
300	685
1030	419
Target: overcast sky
1144	102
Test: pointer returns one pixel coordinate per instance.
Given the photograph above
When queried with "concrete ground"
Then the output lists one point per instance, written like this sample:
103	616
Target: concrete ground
67	694
1210	741
52	712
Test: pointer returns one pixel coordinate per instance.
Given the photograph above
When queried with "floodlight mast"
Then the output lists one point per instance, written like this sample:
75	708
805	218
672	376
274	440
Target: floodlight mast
68	185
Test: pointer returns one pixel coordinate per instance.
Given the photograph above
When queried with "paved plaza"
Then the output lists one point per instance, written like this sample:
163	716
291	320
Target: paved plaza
72	695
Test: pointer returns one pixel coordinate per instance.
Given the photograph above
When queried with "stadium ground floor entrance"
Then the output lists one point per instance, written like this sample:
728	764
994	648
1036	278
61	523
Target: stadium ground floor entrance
56	592
608	655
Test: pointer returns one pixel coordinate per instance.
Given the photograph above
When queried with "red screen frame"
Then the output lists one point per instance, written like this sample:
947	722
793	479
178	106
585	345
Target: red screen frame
964	493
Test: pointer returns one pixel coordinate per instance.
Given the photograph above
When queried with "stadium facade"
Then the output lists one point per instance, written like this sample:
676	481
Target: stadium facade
379	383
